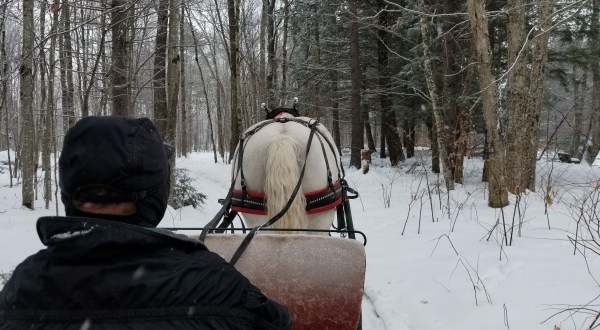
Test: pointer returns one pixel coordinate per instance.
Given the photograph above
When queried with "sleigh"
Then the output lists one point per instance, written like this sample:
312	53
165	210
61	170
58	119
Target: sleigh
318	278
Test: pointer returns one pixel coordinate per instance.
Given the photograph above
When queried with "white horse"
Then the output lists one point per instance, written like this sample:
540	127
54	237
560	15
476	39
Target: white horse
273	156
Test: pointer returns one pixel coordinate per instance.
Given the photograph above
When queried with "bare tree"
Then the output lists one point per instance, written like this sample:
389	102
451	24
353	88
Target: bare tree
88	89
357	142
453	80
438	119
4	85
159	85
183	149
262	64
284	50
204	90
66	67
535	97
120	13
233	10
389	126
26	97
272	64
49	132
594	146
498	195
515	93
173	72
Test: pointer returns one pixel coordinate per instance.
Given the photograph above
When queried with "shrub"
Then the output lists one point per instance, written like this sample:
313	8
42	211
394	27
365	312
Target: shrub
184	193
4	277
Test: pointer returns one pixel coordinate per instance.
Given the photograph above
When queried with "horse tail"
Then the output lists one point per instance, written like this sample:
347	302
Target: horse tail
282	176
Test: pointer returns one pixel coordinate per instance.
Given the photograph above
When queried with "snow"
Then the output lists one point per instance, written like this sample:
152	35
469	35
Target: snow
69	235
434	260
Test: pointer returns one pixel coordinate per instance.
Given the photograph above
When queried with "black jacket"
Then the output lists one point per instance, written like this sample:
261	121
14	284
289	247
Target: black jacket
107	275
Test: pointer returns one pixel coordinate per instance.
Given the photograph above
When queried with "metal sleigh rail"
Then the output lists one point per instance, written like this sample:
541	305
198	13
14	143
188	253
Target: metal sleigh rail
244	230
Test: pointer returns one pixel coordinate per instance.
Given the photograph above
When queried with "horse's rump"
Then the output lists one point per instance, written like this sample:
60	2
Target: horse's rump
273	157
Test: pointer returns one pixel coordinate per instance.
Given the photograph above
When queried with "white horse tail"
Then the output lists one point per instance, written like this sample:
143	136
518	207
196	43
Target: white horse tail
283	173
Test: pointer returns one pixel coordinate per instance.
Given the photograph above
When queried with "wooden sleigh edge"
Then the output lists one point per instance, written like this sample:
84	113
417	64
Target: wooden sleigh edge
319	278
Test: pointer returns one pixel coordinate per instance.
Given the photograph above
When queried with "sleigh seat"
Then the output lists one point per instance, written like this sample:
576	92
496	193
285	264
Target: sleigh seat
319	278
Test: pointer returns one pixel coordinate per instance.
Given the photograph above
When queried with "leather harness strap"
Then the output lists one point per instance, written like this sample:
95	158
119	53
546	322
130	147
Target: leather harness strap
316	201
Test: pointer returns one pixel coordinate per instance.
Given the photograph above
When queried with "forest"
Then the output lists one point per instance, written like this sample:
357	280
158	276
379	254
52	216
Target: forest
507	80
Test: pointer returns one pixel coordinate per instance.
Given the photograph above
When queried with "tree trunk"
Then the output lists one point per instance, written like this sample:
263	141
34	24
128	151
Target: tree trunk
4	84
47	136
498	195
317	112
86	96
408	134
26	100
389	126
233	9
357	143
516	102
184	114
272	65
464	120
173	73
120	55
438	119
205	92
535	98
221	131
594	146
159	85
579	85
335	109
104	68
368	131
435	149
451	87
67	68
284	53
262	65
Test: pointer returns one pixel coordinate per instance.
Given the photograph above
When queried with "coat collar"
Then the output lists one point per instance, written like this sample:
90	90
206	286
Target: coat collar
90	235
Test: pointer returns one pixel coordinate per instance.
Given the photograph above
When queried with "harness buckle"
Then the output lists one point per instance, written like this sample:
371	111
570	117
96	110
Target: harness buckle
244	187
330	180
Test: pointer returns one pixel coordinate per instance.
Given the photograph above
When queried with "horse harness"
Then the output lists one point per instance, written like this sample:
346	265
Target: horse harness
334	195
317	201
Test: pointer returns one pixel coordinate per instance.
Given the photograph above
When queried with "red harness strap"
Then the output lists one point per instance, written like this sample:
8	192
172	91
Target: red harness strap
316	201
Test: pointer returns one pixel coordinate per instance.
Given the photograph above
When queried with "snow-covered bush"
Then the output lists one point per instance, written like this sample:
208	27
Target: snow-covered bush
184	193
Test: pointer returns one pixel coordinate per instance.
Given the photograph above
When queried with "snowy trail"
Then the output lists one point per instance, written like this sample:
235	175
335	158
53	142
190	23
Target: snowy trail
423	277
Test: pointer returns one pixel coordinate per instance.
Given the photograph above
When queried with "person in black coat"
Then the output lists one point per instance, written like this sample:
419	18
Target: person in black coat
107	267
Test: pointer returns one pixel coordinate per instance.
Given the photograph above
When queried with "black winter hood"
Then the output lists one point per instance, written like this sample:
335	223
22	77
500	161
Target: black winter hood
124	154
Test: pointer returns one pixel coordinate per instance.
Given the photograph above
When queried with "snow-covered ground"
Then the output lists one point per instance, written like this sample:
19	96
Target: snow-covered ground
434	260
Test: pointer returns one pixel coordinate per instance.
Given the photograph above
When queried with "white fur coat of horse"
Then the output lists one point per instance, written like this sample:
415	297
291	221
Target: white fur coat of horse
273	157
